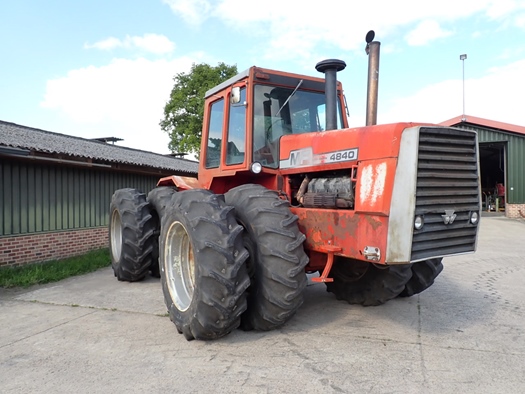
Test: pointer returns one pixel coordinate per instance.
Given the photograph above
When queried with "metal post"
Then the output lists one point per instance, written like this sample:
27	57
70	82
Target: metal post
462	58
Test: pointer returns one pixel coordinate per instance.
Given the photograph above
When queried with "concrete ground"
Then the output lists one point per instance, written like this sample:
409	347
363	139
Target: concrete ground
93	334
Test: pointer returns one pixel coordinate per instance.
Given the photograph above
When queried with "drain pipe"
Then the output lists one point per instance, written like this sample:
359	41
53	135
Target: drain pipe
372	50
330	67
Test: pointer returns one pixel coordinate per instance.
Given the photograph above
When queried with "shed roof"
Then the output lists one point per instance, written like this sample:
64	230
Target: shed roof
23	137
475	121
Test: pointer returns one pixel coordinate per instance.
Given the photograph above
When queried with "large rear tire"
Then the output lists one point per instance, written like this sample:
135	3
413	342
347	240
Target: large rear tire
203	270
277	258
131	235
359	282
423	275
159	198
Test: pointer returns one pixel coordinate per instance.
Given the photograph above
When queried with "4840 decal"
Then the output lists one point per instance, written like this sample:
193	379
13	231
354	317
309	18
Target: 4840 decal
342	155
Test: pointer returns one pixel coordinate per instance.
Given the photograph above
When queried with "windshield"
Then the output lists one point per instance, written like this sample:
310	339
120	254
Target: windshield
281	111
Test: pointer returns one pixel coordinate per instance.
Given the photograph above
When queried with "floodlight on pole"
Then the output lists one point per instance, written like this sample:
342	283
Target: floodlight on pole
462	58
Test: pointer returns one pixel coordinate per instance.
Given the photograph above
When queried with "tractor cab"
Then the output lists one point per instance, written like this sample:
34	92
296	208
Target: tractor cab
246	116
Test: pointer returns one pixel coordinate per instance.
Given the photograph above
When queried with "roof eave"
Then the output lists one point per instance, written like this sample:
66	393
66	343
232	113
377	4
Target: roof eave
473	120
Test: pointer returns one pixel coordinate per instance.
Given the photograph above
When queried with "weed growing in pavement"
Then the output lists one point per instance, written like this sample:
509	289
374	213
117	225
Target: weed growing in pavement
53	271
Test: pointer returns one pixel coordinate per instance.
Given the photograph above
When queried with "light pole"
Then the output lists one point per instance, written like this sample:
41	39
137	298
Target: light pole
462	58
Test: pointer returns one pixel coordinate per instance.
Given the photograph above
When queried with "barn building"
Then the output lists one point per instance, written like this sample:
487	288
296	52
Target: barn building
502	163
55	190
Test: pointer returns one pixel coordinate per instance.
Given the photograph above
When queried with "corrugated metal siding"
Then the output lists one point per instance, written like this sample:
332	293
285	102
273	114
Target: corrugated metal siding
37	198
516	170
515	160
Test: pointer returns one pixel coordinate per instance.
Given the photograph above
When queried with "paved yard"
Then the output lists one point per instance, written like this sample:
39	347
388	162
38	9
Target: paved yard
92	334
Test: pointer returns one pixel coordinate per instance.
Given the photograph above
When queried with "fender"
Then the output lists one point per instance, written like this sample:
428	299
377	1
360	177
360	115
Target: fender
180	182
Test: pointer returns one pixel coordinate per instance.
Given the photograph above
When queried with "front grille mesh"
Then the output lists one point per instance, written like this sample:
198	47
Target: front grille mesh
447	179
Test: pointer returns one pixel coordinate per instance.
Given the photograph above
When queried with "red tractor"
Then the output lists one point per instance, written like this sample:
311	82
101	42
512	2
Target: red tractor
286	188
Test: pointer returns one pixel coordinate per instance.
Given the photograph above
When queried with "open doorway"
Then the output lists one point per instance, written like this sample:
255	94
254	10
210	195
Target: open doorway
492	161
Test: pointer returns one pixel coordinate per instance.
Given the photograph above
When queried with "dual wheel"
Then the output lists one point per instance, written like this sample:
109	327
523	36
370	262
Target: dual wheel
134	231
218	267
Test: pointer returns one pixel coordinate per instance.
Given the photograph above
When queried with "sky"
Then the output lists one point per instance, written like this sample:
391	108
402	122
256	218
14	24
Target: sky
101	68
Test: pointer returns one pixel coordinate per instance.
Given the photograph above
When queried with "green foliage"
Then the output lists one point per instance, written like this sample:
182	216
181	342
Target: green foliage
53	271
183	114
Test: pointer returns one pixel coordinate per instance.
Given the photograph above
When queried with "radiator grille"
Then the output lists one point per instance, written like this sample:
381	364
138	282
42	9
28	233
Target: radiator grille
447	180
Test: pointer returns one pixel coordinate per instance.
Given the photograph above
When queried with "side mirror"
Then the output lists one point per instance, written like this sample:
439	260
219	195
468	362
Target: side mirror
235	97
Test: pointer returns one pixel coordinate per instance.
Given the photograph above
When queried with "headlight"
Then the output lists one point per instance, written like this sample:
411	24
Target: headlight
418	222
474	217
256	167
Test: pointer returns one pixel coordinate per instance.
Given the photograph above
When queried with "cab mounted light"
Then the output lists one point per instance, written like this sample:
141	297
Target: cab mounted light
256	167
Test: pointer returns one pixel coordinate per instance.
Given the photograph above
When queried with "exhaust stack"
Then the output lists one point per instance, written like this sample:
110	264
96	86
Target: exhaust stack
330	67
372	50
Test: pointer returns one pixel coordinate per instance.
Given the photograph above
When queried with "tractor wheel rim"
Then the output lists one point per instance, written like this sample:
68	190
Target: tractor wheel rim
180	266
116	235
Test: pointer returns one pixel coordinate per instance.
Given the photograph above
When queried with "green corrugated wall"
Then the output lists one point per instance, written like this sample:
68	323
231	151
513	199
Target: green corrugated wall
515	160
37	198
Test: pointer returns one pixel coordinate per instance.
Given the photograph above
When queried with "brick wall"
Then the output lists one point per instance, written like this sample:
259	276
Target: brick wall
515	210
33	248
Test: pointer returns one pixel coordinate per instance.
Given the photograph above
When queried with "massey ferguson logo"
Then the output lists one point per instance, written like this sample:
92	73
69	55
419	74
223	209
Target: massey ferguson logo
449	216
301	158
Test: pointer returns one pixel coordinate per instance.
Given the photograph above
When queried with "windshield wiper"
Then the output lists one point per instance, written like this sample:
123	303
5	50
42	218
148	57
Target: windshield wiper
289	97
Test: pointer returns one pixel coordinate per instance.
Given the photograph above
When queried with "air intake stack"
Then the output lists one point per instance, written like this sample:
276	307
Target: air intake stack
330	67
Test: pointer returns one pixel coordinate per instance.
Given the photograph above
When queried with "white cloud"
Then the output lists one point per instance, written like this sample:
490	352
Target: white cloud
123	99
509	13
486	97
520	20
425	32
502	8
106	44
153	43
193	12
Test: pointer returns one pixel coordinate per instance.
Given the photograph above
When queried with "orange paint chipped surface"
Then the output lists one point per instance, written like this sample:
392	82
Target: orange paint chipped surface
350	231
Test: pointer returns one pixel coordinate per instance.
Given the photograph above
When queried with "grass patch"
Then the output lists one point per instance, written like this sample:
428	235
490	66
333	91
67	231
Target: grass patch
53	271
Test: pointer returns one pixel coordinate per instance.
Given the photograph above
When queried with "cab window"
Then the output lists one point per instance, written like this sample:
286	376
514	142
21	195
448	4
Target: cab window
213	151
237	131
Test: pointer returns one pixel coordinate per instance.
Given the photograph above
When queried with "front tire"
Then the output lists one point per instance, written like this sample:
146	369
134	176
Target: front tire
203	270
277	258
362	283
131	235
423	275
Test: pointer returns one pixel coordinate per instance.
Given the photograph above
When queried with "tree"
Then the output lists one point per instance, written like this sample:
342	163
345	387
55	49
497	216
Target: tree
183	113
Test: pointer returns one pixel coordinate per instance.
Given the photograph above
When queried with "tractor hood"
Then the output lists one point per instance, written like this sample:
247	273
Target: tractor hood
339	149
